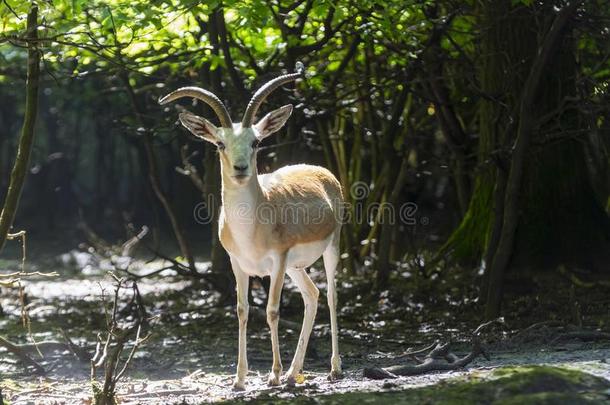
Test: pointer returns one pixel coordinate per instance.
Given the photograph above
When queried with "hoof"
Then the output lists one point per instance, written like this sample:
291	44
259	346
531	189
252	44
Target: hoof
293	377
274	380
239	386
335	375
289	380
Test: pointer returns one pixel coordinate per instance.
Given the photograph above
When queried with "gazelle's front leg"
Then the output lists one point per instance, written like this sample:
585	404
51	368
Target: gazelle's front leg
310	294
273	315
241	279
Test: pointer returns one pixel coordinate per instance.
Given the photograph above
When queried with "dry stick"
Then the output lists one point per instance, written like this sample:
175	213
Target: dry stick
503	252
413	353
22	236
16	350
575	280
128	246
96	356
176	265
429	364
109	356
438	359
47	346
25	316
44	346
164	393
81	353
135	276
585	335
136	344
535	326
190	170
14	278
26	139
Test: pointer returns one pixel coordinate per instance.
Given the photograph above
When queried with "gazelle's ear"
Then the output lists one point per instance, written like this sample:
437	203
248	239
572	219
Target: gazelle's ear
273	121
199	126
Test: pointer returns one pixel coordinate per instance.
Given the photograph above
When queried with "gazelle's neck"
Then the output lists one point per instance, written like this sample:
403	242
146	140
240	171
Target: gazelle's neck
241	202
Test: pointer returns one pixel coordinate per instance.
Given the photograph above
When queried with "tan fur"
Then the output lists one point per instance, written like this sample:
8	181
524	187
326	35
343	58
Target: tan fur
292	194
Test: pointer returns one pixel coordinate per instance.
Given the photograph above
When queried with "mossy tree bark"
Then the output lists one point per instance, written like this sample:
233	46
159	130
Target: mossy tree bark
26	140
505	38
520	152
533	205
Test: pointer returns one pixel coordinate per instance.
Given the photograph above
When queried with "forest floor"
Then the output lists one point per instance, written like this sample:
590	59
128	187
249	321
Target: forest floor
191	353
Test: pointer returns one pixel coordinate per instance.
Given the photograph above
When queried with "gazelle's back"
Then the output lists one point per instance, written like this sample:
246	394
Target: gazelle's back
306	202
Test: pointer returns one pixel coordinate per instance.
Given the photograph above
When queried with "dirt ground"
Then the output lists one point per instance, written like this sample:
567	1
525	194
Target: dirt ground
190	356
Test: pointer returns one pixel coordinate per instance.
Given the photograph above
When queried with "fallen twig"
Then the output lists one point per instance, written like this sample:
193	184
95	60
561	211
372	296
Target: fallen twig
584	335
9	279
439	358
135	276
156	394
412	353
45	346
128	246
81	353
535	327
17	351
578	281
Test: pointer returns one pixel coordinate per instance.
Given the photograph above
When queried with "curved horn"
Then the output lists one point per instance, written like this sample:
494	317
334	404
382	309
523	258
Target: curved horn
207	97
262	93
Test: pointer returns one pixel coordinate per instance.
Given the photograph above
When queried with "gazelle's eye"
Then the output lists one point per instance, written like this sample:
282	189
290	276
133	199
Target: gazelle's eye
255	144
220	145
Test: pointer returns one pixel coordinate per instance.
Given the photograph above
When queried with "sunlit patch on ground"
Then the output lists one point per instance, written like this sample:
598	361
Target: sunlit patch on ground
190	357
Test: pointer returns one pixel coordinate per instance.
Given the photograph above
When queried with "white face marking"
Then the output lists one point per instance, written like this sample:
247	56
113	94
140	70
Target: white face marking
239	154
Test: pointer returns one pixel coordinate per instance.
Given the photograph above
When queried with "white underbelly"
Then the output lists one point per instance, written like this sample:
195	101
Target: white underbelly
306	254
298	256
253	267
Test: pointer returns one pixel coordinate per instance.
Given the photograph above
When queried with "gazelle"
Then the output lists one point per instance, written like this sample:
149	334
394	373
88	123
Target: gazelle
271	224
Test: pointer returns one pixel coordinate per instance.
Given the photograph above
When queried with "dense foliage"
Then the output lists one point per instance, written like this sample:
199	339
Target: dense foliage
410	103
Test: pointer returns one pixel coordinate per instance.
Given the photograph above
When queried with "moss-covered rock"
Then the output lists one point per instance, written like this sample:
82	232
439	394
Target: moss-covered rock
504	386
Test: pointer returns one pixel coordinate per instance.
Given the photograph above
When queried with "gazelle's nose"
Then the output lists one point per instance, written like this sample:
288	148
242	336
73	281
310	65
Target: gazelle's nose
242	168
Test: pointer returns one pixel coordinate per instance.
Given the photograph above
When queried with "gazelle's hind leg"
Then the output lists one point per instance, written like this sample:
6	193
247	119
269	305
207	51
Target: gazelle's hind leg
310	293
331	260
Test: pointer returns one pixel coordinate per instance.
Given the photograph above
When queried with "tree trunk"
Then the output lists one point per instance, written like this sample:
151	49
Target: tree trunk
26	140
389	225
533	206
221	266
511	214
395	162
153	175
450	126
